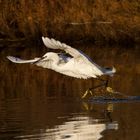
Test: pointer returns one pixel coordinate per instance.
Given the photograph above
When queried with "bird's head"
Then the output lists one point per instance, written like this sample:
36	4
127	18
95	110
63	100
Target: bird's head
50	56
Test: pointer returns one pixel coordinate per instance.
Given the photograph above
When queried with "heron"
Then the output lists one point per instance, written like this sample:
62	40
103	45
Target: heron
77	64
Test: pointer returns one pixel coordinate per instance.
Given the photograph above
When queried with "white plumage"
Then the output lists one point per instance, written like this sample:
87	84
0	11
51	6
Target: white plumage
76	65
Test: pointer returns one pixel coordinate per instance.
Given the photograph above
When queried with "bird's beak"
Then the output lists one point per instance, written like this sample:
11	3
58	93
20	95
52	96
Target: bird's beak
39	59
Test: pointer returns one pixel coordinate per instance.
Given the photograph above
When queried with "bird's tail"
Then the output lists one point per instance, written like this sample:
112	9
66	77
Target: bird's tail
18	60
109	71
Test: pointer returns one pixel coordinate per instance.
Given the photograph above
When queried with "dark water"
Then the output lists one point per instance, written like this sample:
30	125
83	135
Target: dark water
40	104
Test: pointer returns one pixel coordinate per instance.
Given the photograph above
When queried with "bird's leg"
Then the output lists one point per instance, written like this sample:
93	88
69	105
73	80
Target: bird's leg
105	84
90	90
87	92
108	89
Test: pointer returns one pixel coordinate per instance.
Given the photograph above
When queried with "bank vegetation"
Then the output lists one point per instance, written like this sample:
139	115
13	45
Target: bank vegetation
115	21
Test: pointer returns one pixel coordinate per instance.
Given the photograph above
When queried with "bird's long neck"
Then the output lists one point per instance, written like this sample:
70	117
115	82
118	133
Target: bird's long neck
54	61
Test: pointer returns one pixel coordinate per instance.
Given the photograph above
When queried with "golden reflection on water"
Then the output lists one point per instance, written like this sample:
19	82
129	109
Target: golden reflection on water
77	128
37	103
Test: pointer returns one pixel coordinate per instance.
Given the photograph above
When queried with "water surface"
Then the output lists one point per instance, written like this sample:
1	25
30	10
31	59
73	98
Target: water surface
40	104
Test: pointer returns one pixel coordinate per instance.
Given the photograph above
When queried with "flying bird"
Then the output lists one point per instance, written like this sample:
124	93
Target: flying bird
77	64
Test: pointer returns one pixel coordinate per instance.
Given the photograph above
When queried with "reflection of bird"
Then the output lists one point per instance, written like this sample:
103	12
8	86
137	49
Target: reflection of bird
80	128
76	65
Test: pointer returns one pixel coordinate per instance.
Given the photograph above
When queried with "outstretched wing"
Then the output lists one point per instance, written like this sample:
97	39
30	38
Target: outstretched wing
54	44
78	55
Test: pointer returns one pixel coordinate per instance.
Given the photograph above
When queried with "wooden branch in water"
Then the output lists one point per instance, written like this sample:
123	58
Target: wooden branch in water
83	23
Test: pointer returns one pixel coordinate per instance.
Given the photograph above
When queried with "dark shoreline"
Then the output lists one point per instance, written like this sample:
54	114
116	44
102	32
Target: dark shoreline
23	42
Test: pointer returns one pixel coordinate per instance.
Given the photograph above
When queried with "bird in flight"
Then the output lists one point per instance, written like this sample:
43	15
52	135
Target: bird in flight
77	64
